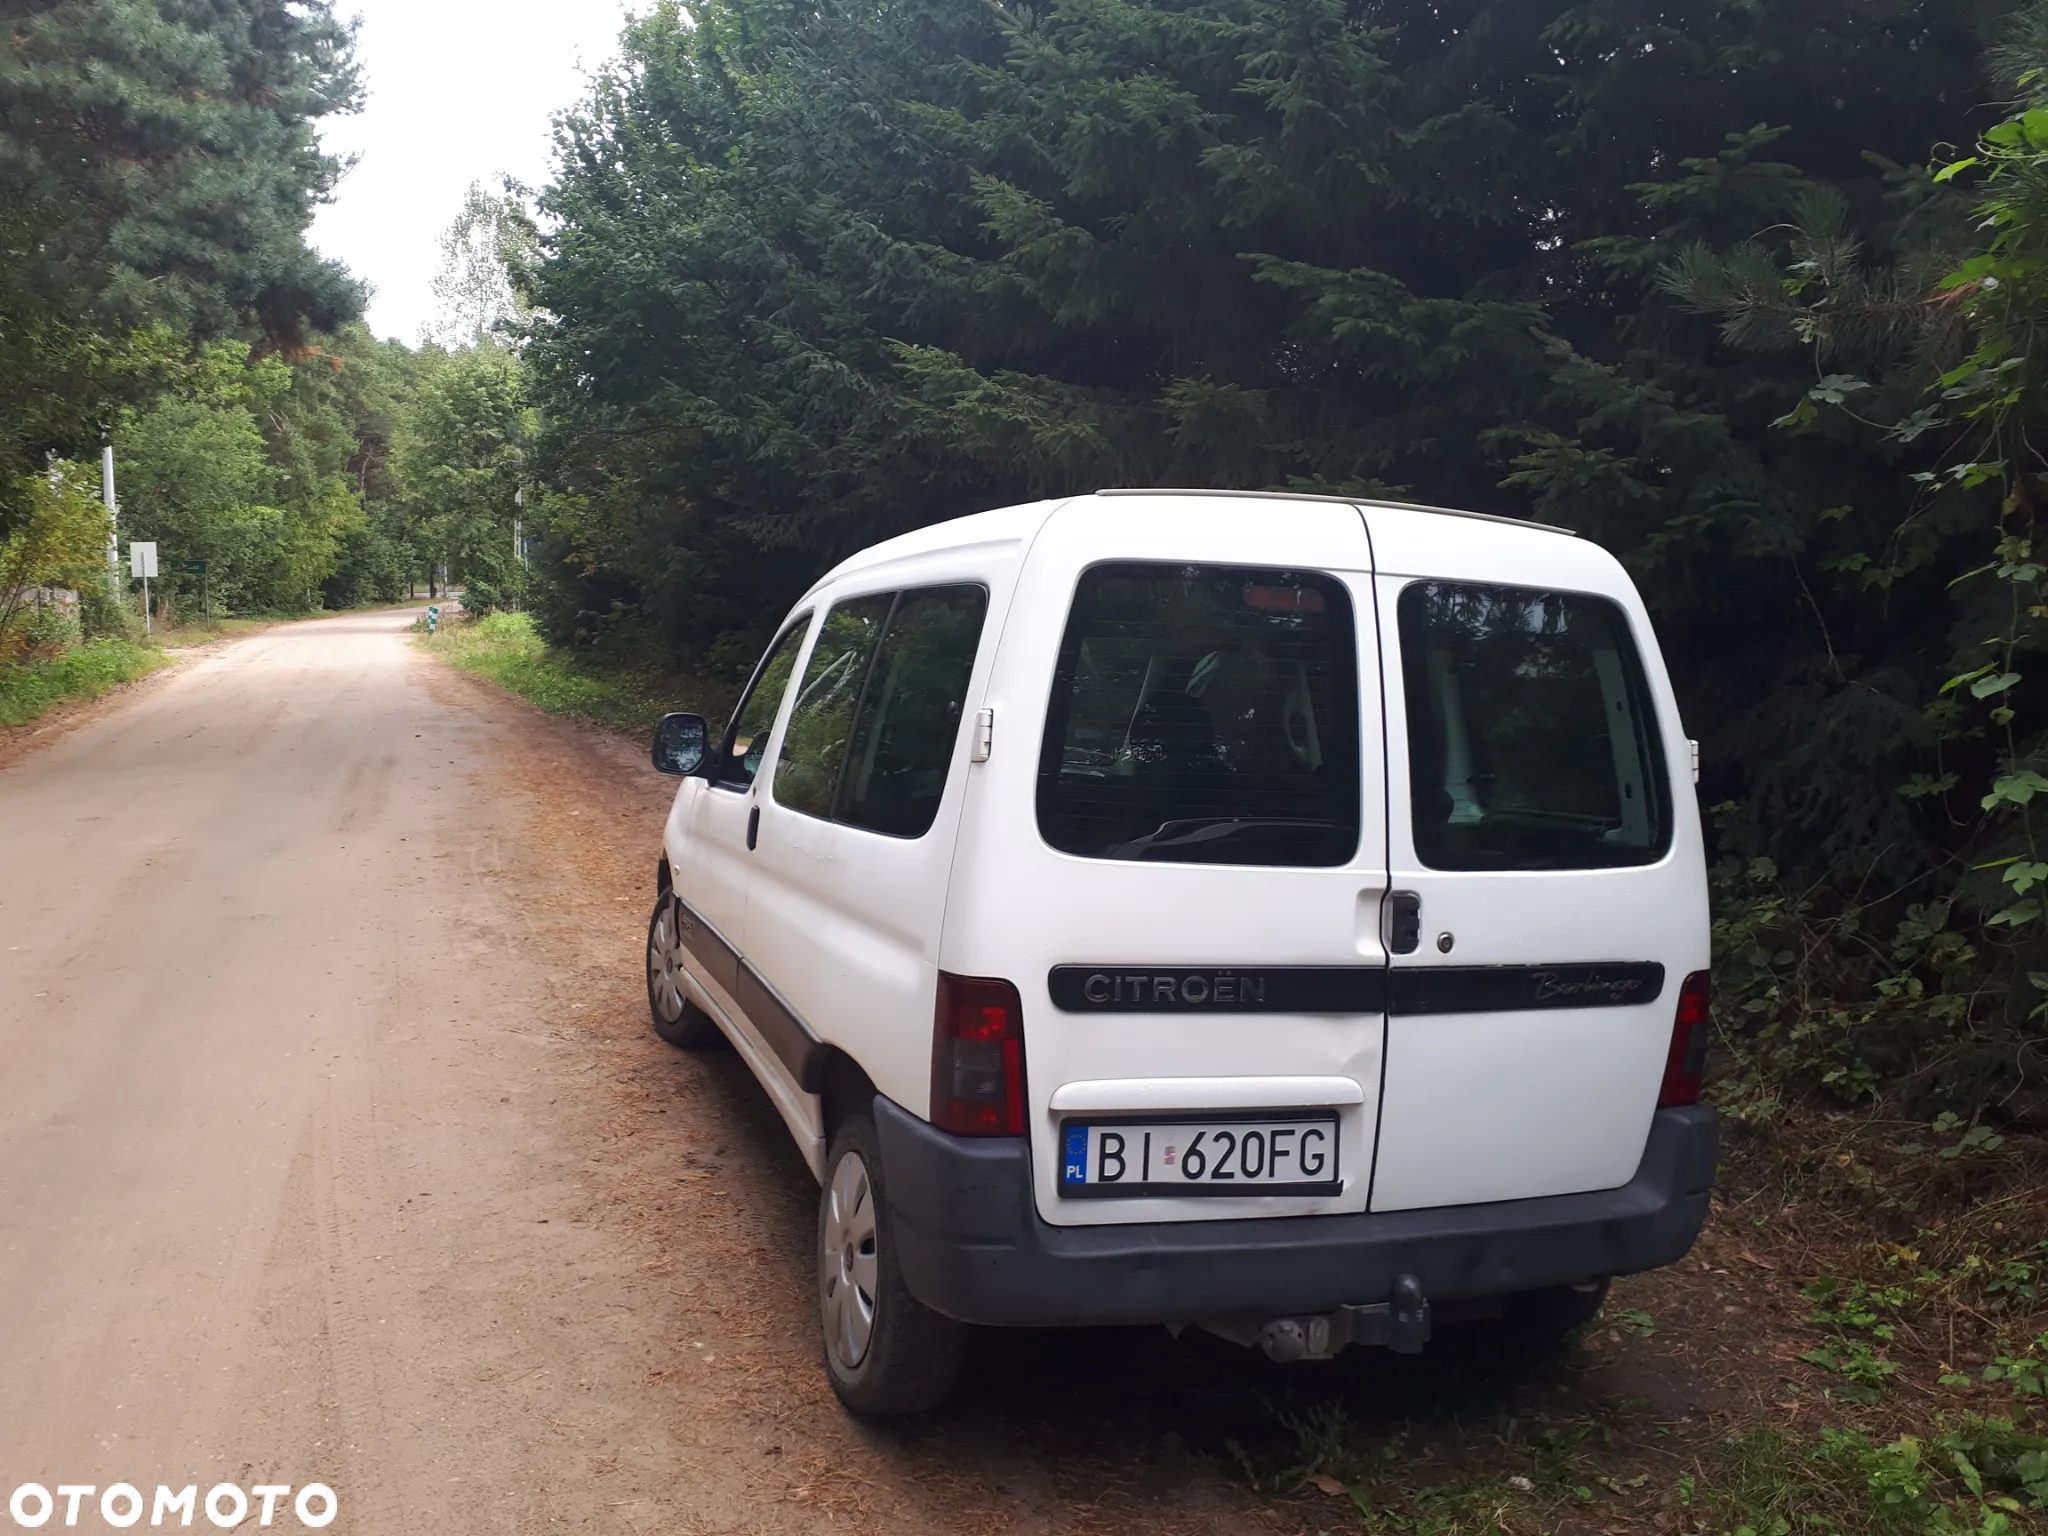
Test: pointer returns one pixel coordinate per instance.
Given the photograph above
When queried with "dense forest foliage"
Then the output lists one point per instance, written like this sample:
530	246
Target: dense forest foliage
1710	281
1745	289
159	167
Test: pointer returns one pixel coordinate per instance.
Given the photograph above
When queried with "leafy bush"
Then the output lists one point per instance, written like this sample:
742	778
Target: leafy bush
47	632
91	670
59	537
484	595
102	613
1850	1001
505	648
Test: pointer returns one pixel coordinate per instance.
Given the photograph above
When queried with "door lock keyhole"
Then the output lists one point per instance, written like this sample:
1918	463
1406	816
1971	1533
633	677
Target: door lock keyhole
1443	943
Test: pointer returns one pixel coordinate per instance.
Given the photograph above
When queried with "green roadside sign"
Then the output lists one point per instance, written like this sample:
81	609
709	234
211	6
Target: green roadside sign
194	568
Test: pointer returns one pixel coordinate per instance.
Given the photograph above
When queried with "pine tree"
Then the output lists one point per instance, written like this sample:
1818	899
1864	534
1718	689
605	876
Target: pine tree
158	170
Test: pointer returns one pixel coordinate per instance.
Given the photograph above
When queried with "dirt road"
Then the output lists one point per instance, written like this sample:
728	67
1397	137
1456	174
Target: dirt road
336	1149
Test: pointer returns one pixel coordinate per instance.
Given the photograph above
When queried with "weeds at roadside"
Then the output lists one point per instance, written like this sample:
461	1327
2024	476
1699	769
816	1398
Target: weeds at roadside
1977	1477
2024	1372
504	648
94	668
1863	1318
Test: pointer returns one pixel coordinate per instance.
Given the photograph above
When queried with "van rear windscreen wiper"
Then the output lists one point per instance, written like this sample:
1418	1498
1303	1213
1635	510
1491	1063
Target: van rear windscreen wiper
1173	836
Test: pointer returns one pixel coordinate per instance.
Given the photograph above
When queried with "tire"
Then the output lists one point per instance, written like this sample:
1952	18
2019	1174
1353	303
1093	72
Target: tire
886	1353
676	1019
1537	1323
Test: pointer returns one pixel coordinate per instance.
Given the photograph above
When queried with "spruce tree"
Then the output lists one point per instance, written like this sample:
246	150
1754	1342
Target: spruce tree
158	170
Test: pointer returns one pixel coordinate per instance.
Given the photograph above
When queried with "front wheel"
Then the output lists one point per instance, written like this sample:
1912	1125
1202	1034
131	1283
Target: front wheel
888	1355
676	1019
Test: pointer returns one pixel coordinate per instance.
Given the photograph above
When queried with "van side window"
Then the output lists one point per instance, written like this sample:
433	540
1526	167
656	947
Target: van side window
814	741
1204	714
1532	738
871	735
746	739
910	713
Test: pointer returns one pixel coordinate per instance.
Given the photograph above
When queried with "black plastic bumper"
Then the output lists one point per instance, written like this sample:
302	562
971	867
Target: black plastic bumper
973	1246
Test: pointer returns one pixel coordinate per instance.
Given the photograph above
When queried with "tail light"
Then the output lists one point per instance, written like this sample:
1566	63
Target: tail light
978	1058
1688	1058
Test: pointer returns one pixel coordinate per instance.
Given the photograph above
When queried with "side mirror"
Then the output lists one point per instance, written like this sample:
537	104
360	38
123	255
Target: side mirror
682	743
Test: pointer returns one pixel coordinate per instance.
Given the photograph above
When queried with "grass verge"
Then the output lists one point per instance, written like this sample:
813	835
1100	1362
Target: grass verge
504	648
93	669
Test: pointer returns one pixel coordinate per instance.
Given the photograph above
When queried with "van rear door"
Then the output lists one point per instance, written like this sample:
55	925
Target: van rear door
1546	878
1176	851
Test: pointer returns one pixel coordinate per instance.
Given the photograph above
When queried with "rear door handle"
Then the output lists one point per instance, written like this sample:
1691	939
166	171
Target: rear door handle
1404	927
753	826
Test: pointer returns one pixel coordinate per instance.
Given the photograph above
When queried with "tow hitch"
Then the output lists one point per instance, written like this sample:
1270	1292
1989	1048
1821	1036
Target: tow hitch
1401	1325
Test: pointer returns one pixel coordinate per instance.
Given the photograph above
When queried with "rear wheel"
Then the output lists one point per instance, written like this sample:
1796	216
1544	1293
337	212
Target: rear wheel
1538	1322
676	1019
888	1354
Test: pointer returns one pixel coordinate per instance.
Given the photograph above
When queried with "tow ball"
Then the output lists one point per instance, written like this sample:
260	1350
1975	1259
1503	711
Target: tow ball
1401	1325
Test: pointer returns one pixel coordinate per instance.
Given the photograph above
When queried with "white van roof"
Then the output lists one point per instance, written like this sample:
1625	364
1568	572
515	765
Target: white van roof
1352	501
1017	525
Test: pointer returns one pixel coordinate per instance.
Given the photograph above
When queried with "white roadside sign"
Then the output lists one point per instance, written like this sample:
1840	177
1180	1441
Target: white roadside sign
141	559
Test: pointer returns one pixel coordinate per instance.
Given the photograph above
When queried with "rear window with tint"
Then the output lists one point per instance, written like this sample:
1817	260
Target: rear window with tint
1532	740
1204	714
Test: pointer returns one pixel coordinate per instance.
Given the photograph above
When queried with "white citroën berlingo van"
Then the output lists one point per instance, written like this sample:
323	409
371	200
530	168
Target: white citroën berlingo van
1279	914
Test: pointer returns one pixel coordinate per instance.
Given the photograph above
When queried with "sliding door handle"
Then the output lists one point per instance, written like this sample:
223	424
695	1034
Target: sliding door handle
1404	922
753	826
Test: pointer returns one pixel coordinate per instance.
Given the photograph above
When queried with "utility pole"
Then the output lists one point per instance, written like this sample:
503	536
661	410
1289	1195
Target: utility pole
113	511
519	546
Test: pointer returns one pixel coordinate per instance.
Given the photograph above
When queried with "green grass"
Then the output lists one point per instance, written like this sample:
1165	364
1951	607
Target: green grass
1970	1476
504	648
86	673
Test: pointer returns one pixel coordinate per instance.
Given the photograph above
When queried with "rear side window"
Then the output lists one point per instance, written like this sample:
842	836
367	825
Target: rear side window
1204	714
1532	740
910	714
870	738
747	737
814	741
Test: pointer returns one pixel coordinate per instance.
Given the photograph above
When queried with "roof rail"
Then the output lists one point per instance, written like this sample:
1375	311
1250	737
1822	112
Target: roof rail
1348	501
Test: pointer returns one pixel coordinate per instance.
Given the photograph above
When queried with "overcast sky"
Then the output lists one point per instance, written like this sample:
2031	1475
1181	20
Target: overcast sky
459	91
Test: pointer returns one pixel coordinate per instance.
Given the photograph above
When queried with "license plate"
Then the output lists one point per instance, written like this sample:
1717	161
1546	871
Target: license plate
1200	1155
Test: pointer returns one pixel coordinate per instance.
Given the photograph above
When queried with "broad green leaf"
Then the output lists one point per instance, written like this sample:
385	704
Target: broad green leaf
2015	788
1836	388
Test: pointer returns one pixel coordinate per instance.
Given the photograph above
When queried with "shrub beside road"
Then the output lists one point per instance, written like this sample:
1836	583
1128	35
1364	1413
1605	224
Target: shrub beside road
83	672
505	648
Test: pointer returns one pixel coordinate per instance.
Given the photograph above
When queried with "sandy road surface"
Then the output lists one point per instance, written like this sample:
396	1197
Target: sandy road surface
335	1148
